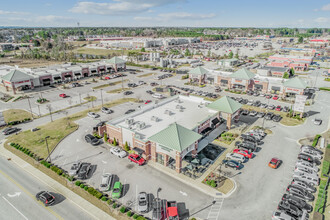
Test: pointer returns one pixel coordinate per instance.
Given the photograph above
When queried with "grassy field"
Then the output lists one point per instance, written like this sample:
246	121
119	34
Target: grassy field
16	115
103	52
118	90
285	120
145	75
27	62
57	130
90	98
109	84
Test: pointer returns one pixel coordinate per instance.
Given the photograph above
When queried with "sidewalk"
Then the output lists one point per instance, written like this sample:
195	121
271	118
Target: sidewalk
89	208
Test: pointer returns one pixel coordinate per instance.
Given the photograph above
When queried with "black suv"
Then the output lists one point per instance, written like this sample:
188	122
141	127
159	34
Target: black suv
9	131
250	138
300	192
45	197
92	140
84	170
308	158
158	209
300	203
247	145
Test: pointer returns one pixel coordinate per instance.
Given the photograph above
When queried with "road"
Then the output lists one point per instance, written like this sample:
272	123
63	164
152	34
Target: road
17	197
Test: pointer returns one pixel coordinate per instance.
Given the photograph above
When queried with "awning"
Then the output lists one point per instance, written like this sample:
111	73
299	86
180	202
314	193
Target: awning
138	150
215	121
57	78
77	74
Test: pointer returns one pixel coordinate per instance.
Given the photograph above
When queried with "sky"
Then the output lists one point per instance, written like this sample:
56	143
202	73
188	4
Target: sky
172	13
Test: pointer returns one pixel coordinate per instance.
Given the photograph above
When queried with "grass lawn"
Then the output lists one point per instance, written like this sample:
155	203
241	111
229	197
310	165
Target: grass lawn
90	98
118	90
16	115
57	130
285	120
109	84
145	75
103	52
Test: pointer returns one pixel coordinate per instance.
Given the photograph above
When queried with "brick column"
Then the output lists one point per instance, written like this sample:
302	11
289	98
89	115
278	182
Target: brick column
153	152
178	162
166	157
229	121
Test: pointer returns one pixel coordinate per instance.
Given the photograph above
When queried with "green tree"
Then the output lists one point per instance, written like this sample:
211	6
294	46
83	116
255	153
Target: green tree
187	53
286	75
114	142
230	55
236	55
143	49
126	147
36	43
300	40
292	71
105	137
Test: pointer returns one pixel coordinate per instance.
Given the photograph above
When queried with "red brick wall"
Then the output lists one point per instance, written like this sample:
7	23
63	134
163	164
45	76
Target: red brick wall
114	132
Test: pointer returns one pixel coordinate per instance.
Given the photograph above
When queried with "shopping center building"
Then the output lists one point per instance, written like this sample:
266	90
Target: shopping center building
167	131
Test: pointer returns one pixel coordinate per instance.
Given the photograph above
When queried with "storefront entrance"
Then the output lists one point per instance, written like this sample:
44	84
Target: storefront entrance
46	82
159	158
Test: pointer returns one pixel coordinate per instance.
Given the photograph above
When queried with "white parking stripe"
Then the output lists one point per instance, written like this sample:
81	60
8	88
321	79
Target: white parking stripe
15	208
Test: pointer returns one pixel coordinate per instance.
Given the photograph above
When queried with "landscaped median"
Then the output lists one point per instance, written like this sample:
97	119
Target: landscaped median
17	115
110	84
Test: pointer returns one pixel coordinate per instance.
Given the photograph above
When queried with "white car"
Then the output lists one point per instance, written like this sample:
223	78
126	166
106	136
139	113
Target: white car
302	163
106	181
311	180
106	110
279	215
234	156
93	115
305	170
317	121
311	154
74	168
118	152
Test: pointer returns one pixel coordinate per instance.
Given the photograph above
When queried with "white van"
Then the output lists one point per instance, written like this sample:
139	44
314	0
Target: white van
234	156
157	96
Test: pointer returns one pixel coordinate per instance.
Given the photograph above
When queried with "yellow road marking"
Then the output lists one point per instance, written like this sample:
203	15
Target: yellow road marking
29	194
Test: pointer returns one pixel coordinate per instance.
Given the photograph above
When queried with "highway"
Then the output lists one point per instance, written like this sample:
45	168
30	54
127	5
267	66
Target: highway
17	197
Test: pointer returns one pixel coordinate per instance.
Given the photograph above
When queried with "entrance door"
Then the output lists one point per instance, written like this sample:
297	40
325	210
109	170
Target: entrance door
46	82
160	158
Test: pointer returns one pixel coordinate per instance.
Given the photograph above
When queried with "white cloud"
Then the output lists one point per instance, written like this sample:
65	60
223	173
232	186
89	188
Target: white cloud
13	13
326	7
185	15
119	7
322	20
53	19
40	21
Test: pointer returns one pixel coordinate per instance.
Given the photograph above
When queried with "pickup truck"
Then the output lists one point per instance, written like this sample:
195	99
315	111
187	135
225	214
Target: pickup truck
172	211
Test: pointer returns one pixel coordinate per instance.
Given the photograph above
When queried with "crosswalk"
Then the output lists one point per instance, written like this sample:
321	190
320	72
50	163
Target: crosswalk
215	209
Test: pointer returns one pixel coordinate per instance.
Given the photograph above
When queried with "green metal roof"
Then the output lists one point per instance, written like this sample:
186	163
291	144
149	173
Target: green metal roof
175	137
116	60
242	74
295	83
198	71
225	104
16	75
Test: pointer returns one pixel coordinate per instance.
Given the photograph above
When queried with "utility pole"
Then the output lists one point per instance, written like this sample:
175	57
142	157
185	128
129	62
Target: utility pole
102	97
39	110
30	106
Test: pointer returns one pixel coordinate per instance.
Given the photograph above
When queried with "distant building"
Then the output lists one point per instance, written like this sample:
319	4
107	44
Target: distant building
6	47
228	62
272	71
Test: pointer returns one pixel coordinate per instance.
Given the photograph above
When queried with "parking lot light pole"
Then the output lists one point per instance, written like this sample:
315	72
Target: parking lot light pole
158	190
48	149
102	97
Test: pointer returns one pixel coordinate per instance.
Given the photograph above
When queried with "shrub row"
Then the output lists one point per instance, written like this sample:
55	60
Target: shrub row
25	151
18	122
18	98
41	100
325	88
325	167
91	190
316	139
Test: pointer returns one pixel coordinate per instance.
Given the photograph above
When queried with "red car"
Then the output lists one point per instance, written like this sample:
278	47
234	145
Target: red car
136	159
268	96
63	95
245	153
274	163
148	101
107	77
275	97
278	108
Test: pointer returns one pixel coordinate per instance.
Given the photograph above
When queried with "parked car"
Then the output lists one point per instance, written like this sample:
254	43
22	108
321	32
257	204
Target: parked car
158	209
247	145
245	153
84	170
149	92
232	163
91	139
245	112
304	185
261	114
281	215
118	152
11	130
129	111
275	97
277	118
305	170
263	105
128	92
289	208
74	168
311	148
278	108
303	163
233	156
106	110
143	202
274	163
269	116
271	107
93	115
147	102
63	95
253	113
269	96
251	138
308	158
285	109
314	154
136	159
317	121
117	190
300	192
300	203
46	198
310	179
106	181
172	210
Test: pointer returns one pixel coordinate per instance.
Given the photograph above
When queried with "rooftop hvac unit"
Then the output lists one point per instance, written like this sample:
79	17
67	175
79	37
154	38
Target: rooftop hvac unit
167	112
129	121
